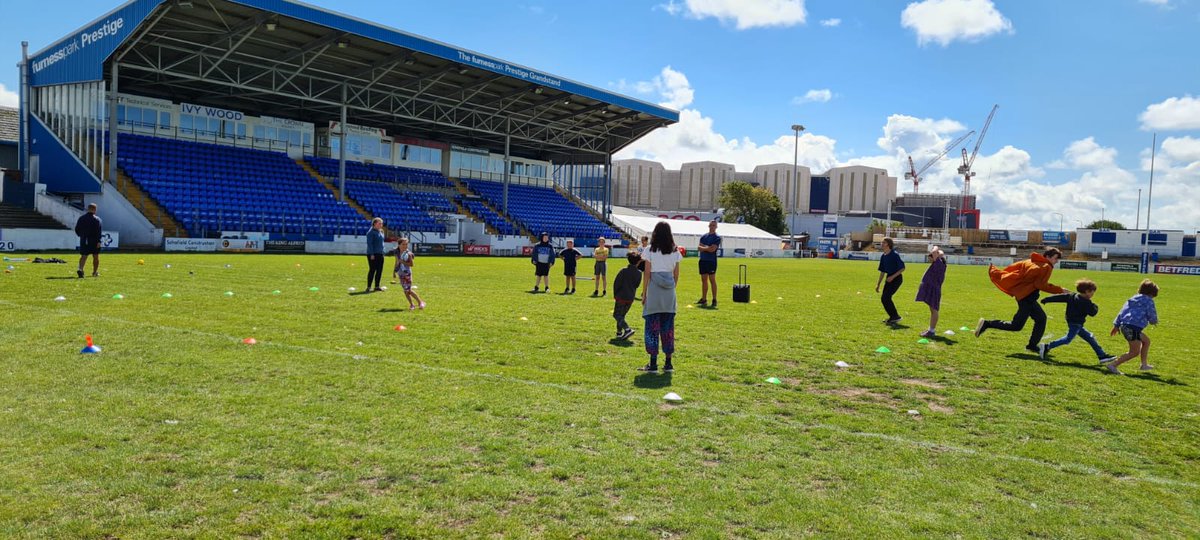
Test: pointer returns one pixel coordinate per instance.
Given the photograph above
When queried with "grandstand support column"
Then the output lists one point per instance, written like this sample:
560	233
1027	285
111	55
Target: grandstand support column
342	150
507	166
606	210
112	127
23	156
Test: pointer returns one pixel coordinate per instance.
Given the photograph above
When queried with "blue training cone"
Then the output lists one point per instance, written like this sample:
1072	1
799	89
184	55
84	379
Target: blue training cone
91	347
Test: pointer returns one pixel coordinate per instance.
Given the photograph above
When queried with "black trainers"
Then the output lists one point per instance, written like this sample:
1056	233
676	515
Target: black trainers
605	293
1034	350
566	291
572	291
595	293
547	289
668	368
714	303
648	368
79	273
979	328
701	302
628	333
1107	358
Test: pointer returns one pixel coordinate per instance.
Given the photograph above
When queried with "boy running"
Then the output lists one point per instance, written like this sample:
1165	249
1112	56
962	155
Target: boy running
1131	321
1079	308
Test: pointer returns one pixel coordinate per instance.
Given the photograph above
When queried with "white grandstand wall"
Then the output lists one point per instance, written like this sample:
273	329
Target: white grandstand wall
687	233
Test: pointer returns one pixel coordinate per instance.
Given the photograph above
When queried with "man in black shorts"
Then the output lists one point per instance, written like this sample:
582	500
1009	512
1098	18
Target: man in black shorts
709	244
89	228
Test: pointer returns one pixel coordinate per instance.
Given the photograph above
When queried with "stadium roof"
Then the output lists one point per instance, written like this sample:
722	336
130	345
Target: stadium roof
291	60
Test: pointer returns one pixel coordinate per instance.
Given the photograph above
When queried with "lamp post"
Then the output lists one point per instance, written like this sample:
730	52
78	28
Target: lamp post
797	128
1149	201
1060	220
1080	222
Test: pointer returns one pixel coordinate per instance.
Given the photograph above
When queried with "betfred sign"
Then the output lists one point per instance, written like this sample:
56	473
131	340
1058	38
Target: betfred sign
1175	269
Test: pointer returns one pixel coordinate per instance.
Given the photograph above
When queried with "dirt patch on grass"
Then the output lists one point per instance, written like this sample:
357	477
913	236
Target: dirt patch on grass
922	383
859	394
940	408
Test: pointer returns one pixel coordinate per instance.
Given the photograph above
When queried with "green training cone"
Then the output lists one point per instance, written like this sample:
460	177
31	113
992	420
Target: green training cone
774	380
883	350
276	291
964	329
228	293
314	289
118	296
167	295
923	341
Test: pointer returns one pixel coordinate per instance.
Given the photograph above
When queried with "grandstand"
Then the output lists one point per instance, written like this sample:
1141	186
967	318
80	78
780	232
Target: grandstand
545	210
213	188
295	122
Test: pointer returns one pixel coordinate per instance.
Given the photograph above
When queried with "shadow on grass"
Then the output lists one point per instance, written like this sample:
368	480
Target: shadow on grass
943	339
652	380
62	277
620	342
394	310
898	326
1151	377
359	293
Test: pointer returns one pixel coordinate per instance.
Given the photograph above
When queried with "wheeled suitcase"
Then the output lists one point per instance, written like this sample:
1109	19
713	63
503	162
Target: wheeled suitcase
741	291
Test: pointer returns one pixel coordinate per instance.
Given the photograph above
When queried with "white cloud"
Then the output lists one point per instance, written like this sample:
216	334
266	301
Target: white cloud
831	22
945	21
695	139
745	14
814	96
8	98
1185	149
1172	114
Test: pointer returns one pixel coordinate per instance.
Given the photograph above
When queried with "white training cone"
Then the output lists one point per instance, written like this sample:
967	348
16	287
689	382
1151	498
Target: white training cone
672	397
353	289
949	332
60	299
914	412
841	364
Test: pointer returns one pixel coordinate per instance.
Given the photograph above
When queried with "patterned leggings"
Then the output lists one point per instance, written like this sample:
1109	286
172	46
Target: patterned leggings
660	326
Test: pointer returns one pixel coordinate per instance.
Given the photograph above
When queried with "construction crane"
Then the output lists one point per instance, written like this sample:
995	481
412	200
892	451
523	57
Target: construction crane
914	174
965	170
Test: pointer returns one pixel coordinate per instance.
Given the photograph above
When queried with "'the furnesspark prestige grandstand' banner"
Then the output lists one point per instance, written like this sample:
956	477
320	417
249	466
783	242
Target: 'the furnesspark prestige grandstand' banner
80	56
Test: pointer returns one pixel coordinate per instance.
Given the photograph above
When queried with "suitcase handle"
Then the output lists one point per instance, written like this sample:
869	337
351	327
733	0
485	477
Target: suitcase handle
743	274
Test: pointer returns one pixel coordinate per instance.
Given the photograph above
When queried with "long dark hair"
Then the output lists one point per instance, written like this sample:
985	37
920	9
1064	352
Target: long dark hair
661	240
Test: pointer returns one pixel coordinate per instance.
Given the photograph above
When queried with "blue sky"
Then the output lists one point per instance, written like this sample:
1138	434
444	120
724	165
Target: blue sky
1081	84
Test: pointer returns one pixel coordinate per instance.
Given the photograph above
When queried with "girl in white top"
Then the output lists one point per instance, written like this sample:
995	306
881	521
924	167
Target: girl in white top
658	296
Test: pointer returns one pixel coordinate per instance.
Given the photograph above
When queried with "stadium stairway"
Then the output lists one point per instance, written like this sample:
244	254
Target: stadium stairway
16	217
466	192
145	204
333	189
580	203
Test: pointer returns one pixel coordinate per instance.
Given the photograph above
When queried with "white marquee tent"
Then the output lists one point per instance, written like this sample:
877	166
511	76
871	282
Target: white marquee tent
687	232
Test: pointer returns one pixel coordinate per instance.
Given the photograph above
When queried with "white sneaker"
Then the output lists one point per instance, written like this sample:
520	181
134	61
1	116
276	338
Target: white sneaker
1107	359
1042	350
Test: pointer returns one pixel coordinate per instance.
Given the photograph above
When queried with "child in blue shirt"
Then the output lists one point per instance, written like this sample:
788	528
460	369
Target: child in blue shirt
1131	321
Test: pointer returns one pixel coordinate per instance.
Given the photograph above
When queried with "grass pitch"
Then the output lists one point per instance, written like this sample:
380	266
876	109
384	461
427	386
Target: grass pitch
475	422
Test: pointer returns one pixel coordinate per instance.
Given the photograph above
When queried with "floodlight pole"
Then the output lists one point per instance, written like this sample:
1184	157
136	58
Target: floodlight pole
342	150
797	128
1060	220
1149	202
